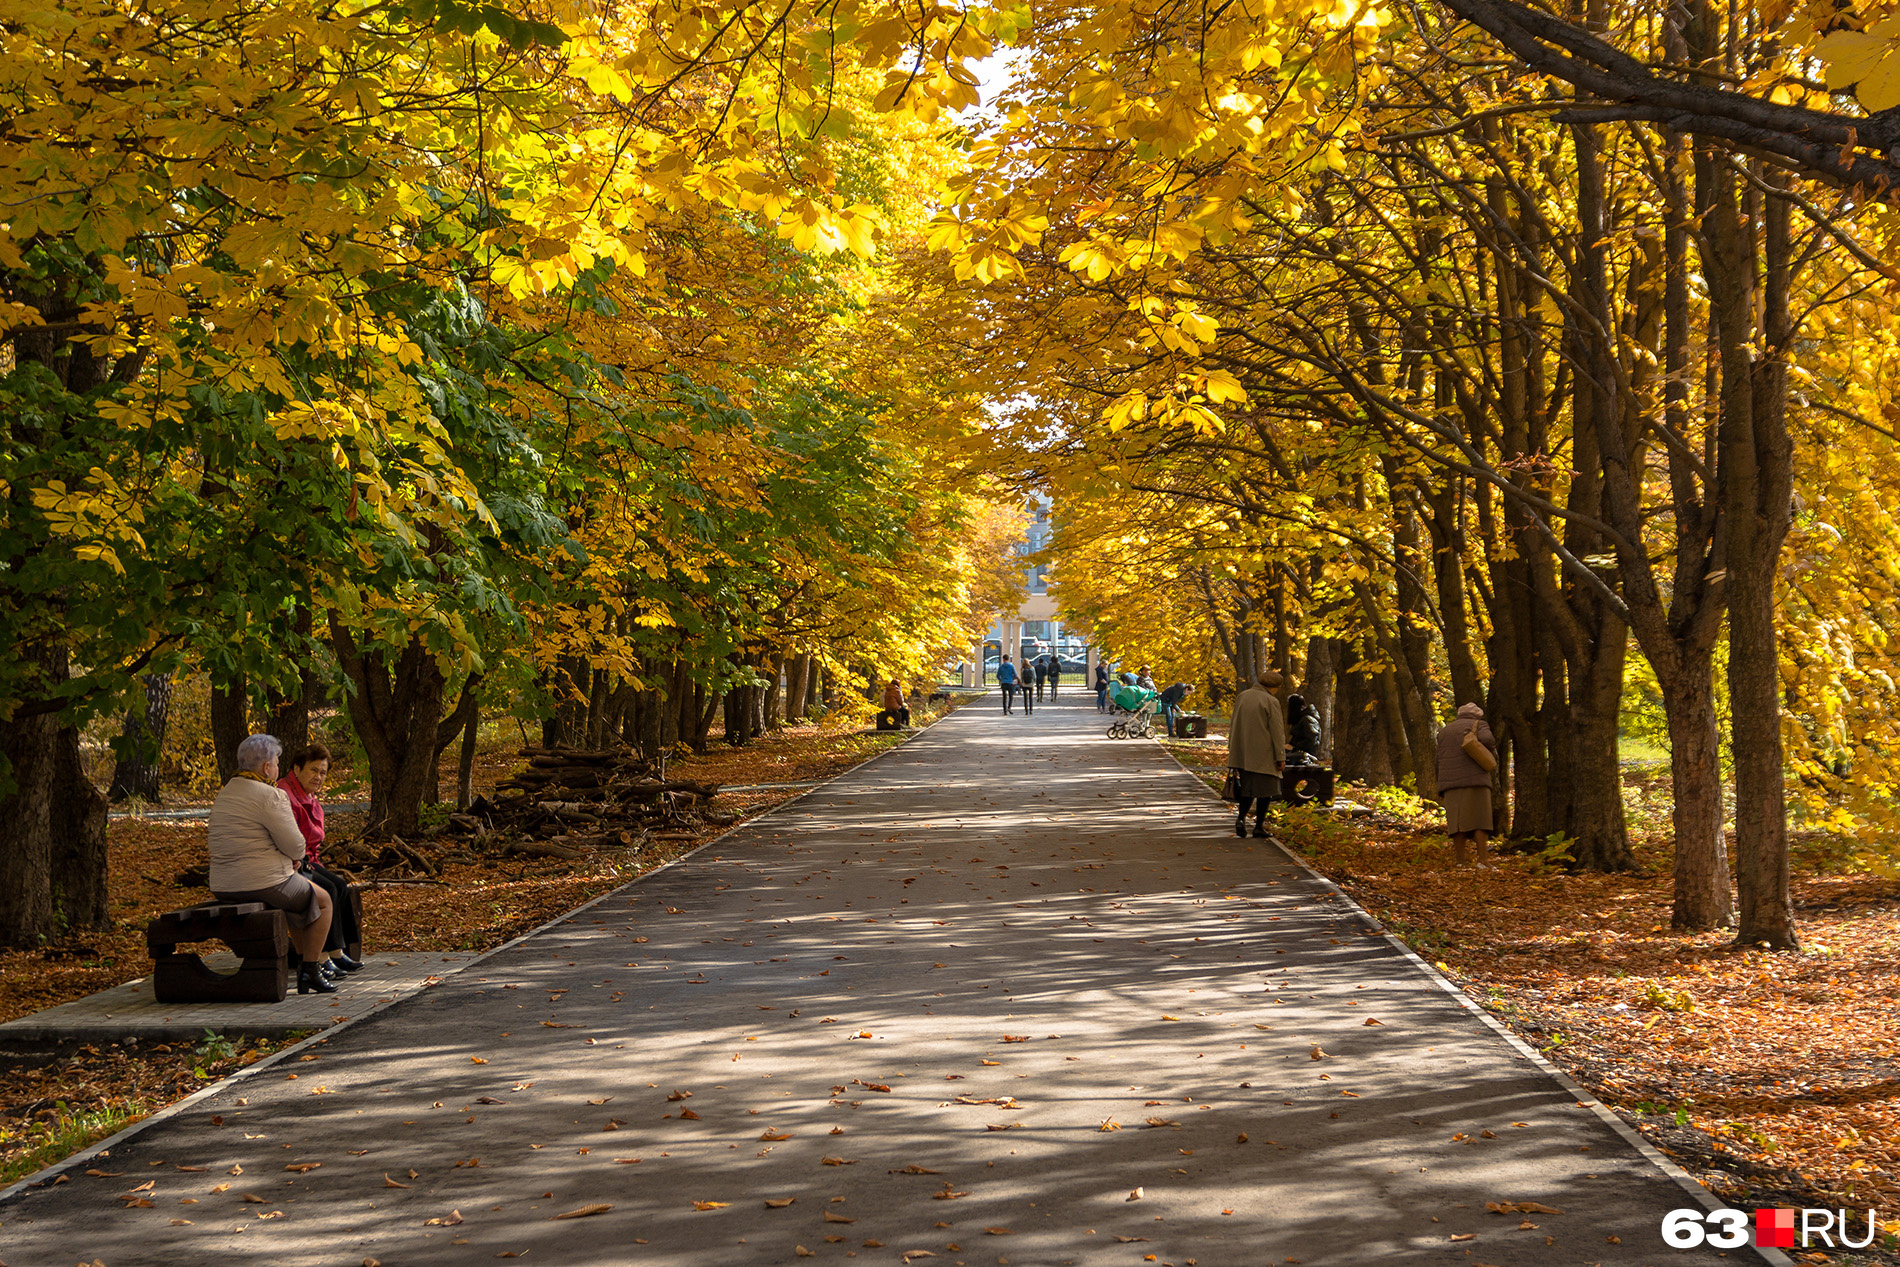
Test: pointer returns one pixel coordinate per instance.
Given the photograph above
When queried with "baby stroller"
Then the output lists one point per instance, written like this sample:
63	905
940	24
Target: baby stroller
1134	710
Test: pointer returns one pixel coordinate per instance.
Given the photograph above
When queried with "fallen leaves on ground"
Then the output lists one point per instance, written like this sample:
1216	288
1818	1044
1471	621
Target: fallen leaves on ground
1755	1070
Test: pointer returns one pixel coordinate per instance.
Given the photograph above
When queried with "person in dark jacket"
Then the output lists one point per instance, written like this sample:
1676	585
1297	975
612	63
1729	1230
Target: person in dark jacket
1464	784
1006	678
1024	676
1055	675
1042	676
1101	687
1173	701
1302	731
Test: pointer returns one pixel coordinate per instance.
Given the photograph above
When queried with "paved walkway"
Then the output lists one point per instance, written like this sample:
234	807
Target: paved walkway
1009	994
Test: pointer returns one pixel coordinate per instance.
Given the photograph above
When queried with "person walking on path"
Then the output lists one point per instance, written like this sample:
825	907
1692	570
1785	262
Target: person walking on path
1055	675
1256	750
1101	687
1467	754
1006	678
1023	675
1042	676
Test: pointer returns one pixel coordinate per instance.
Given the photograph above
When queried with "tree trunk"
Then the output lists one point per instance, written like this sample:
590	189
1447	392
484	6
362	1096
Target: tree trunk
1756	486
465	770
1320	672
289	717
396	710
78	821
1702	879
135	774
26	833
230	725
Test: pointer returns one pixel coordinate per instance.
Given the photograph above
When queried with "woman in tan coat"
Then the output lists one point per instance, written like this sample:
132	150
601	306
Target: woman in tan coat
1464	784
1256	750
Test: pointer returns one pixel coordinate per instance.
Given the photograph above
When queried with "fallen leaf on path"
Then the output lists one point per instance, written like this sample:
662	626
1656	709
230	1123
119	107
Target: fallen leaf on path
585	1211
1133	1196
831	1217
1317	1053
773	1137
1109	1124
1465	1236
303	1167
677	1095
999	1231
387	1182
805	1253
251	1198
449	1220
1161	1121
1006	1126
1241	1138
1130	1240
711	1205
778	1203
477	1060
689	1115
914	1169
838	1161
1373	1020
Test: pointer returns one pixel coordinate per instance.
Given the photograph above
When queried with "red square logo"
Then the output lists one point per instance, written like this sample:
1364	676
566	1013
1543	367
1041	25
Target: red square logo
1774	1229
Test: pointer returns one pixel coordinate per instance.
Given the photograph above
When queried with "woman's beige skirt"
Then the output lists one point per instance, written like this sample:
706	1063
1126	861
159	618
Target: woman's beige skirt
1467	809
296	897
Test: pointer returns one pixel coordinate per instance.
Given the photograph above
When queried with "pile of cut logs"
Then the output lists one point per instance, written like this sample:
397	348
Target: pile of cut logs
570	799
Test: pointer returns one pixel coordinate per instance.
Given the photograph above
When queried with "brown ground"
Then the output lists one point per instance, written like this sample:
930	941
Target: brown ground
1774	1078
49	1107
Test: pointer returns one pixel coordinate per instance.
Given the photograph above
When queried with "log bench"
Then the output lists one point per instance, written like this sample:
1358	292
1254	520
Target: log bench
1300	784
256	933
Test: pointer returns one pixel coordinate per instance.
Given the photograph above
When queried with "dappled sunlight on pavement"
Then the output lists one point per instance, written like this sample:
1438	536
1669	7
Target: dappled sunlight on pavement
1012	993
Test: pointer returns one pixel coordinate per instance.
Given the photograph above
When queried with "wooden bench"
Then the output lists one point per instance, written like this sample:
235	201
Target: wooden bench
256	933
1300	784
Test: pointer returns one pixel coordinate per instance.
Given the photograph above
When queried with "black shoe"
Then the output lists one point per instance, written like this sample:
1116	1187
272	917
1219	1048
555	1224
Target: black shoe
1260	831
329	971
1240	825
310	981
343	963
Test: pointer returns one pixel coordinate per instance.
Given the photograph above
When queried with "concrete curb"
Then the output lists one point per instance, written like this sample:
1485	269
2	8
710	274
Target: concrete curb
1584	1098
41	1178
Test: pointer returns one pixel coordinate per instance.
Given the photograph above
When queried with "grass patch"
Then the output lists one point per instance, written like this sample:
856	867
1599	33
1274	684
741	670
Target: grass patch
68	1131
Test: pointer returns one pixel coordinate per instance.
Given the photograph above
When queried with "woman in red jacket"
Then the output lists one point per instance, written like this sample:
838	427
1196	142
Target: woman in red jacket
309	768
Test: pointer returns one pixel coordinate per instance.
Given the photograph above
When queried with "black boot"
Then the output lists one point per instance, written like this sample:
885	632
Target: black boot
1240	823
344	963
1260	828
310	981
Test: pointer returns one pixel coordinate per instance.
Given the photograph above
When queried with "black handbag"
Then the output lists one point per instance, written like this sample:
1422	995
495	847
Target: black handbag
1230	790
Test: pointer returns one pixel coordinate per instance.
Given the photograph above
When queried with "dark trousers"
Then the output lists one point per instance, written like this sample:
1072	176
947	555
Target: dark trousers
343	926
1101	699
1009	695
892	718
1054	682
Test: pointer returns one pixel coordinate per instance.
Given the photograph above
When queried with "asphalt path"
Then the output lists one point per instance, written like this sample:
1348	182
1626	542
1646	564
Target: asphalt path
1011	993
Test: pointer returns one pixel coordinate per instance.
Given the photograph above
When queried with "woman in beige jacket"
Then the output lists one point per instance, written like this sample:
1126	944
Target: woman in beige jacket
1464	786
255	848
1256	750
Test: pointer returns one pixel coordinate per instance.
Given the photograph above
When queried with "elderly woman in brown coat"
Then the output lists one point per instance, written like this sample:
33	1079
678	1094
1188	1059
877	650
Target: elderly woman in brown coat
1467	753
1256	750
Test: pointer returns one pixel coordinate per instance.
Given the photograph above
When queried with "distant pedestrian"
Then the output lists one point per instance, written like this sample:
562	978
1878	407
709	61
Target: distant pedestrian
896	711
1006	678
1256	750
1042	676
1101	687
1467	754
1055	675
1024	676
1144	679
